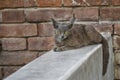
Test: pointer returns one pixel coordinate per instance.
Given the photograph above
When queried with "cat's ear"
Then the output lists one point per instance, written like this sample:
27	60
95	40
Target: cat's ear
55	23
72	21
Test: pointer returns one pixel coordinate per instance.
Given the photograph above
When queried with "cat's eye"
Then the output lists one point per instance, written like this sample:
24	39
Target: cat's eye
57	32
66	33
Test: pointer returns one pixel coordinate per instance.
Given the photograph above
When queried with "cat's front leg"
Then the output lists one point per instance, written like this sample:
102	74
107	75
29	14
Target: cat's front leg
59	49
62	48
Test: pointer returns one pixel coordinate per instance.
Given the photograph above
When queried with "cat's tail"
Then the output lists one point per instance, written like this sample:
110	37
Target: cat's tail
105	55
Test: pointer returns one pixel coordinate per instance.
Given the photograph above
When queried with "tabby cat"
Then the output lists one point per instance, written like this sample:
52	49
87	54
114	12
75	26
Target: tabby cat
68	37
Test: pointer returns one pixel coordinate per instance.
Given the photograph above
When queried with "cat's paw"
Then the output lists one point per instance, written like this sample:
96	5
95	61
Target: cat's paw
57	49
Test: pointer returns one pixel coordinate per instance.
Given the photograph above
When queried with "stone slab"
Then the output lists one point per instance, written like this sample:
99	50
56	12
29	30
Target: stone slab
61	65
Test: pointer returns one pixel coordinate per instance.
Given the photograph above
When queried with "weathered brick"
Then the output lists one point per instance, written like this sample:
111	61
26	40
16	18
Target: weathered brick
115	2
13	16
29	3
117	29
116	43
117	57
17	58
45	29
85	2
37	15
18	30
16	3
87	14
117	72
0	16
40	43
11	3
9	70
100	27
68	3
50	3
13	44
104	27
110	13
1	73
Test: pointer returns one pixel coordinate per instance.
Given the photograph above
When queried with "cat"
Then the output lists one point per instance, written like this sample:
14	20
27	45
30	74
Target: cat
68	37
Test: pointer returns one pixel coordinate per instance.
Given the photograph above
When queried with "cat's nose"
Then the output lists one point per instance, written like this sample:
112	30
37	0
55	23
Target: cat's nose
62	37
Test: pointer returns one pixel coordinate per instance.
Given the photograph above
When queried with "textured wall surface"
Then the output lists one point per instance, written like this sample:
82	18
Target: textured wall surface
78	64
26	31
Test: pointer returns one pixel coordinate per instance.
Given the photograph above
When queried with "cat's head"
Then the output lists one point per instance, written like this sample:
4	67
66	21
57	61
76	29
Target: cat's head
62	30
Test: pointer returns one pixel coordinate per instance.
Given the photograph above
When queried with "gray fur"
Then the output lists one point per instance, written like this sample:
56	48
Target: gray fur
68	37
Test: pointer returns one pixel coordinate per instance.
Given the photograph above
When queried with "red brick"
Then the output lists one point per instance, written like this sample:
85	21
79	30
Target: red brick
9	70
116	43
18	30
115	2
11	3
85	2
110	13
40	43
117	29
87	14
29	3
98	2
17	58
16	3
50	3
45	29
104	27
13	44
13	16
67	2
37	15
0	16
100	27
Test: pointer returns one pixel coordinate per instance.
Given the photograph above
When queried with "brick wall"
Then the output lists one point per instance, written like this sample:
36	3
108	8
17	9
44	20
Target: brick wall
26	31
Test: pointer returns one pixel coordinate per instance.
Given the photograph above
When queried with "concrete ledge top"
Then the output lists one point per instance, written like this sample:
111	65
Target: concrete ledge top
54	65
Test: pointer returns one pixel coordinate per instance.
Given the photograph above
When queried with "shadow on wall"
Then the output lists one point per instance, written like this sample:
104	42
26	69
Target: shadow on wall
0	46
